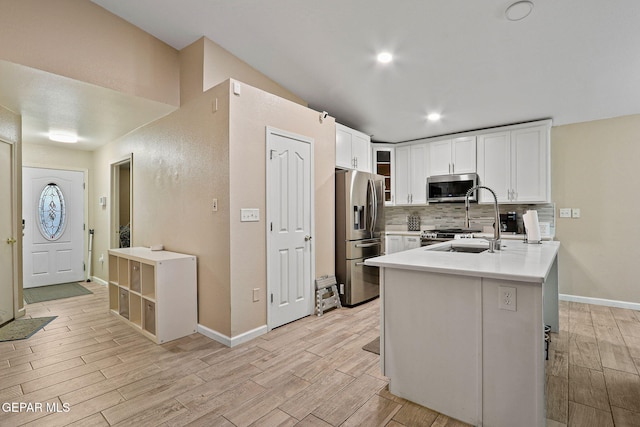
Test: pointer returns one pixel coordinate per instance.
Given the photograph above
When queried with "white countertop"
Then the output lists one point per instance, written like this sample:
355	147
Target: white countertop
403	233
516	260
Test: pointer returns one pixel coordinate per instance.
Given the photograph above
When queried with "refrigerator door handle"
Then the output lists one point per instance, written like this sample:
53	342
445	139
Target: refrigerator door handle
367	245
374	205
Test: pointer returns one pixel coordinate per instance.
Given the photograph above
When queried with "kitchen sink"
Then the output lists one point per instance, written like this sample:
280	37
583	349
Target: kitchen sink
461	248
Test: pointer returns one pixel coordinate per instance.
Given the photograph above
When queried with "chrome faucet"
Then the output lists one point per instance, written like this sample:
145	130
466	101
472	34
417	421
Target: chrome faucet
494	244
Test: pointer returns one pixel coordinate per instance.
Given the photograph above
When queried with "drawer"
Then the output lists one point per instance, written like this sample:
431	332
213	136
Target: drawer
364	248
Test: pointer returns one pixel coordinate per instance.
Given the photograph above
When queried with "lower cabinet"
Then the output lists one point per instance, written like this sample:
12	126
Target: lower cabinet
401	242
154	291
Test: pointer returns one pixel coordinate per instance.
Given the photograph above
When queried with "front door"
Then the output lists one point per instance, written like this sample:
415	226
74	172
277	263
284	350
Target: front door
289	227
53	211
6	233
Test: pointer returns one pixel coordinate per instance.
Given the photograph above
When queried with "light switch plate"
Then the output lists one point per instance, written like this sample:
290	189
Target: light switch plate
575	213
565	212
249	214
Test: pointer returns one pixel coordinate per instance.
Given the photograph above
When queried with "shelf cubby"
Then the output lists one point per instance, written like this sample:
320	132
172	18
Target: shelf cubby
123	272
148	280
113	296
134	276
113	269
135	309
155	291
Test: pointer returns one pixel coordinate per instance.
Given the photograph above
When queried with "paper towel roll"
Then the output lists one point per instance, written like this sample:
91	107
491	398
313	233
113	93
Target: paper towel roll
532	226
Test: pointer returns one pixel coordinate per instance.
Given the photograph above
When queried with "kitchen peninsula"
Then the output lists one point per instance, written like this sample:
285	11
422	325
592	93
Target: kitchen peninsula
462	333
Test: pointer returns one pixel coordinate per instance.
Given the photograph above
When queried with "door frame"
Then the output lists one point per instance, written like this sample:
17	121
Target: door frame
16	212
85	209
269	132
114	212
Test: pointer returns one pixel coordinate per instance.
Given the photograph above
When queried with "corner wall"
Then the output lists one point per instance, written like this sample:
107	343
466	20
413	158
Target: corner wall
595	168
250	113
180	163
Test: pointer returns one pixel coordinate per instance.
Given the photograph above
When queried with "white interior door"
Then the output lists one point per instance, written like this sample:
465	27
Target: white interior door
290	263
53	211
6	233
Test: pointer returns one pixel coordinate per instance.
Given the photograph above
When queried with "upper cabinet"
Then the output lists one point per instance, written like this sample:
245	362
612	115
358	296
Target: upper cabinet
515	164
457	155
353	149
384	164
411	173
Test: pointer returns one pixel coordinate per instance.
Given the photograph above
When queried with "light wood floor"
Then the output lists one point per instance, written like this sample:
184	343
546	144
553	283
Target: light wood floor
592	372
312	372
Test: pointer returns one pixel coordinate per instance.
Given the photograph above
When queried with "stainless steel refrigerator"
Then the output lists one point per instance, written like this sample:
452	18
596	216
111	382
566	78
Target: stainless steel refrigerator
359	234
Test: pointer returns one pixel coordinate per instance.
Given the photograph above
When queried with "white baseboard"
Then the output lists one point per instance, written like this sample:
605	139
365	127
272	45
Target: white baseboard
232	342
99	281
600	301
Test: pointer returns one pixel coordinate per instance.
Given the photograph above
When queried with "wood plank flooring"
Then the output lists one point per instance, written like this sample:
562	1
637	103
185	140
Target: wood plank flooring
94	370
593	368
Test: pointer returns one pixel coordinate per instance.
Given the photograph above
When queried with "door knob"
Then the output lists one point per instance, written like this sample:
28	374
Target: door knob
11	241
307	238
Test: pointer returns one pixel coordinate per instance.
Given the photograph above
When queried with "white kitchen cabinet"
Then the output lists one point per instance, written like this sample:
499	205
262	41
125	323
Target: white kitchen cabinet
353	149
383	158
411	171
154	291
410	242
400	242
515	164
457	155
393	243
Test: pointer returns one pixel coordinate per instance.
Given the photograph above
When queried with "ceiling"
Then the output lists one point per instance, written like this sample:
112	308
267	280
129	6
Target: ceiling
569	60
49	102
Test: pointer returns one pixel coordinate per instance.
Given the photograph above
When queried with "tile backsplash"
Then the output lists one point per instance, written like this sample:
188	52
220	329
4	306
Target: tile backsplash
451	215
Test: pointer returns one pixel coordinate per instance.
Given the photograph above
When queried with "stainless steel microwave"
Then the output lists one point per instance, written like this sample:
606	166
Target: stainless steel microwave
451	188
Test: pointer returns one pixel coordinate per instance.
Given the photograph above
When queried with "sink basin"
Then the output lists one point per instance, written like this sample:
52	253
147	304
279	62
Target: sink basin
461	248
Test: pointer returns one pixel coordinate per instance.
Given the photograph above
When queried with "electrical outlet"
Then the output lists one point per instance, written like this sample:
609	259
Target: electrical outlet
507	298
565	212
256	294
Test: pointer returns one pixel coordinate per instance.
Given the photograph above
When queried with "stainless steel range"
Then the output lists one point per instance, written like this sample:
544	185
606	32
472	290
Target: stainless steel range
431	237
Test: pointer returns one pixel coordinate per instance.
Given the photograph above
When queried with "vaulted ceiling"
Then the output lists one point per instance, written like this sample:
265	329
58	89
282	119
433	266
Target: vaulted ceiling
569	60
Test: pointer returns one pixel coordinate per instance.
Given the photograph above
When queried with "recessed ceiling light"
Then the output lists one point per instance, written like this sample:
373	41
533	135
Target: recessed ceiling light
518	10
434	117
61	136
385	57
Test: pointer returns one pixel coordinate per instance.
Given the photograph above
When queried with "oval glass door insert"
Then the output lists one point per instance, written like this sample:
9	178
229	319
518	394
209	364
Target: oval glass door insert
52	217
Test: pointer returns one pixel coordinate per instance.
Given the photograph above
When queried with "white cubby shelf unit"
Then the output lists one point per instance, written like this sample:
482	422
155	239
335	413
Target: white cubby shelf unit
154	291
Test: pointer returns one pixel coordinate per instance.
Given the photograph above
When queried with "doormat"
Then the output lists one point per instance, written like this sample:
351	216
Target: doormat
373	346
53	292
21	329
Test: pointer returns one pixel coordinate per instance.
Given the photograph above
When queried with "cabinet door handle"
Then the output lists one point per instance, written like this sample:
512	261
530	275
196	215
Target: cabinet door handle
453	168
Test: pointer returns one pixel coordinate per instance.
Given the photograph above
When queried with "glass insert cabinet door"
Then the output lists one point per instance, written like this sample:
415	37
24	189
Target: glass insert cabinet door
52	218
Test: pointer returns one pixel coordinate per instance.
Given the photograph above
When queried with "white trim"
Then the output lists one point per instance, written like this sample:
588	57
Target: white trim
600	301
269	131
232	342
99	280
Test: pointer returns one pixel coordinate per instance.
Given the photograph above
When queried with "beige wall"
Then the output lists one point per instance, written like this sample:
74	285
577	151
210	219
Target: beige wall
11	131
178	167
184	160
250	114
220	64
81	40
205	64
595	168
